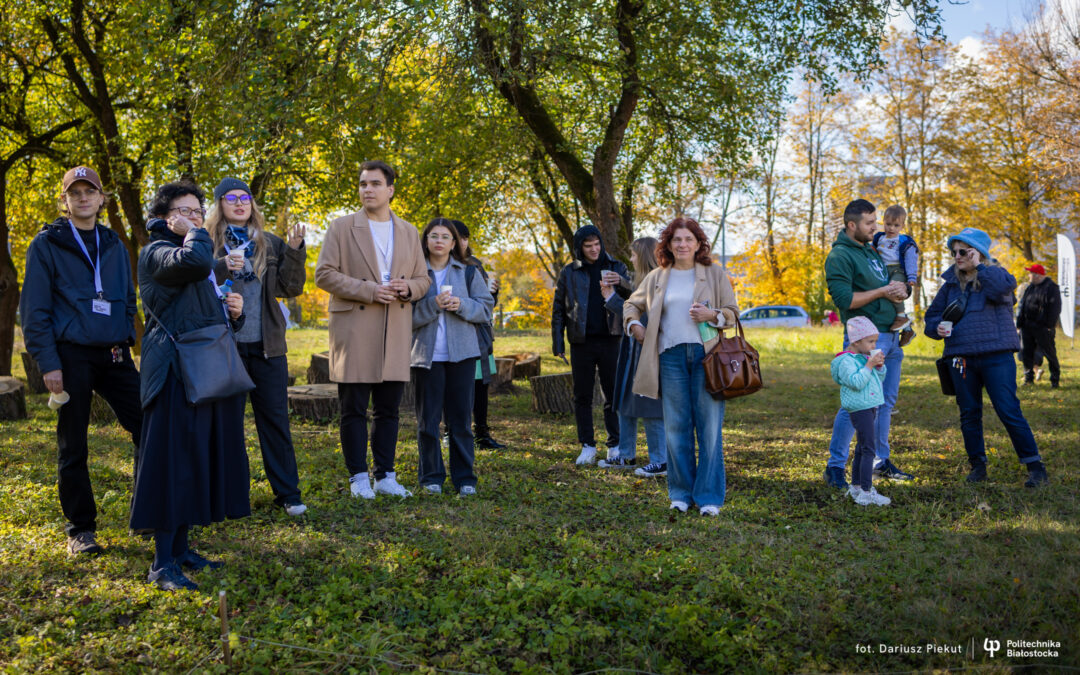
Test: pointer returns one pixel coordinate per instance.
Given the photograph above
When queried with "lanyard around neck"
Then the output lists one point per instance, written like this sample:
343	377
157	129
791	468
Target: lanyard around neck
95	264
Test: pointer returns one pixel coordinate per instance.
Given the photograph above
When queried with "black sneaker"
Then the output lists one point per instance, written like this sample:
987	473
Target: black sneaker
651	470
171	579
889	470
193	561
83	543
834	477
1037	477
489	443
978	474
617	463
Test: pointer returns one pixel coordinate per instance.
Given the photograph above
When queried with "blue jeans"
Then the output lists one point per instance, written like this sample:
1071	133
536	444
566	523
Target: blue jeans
997	374
654	437
843	431
688	408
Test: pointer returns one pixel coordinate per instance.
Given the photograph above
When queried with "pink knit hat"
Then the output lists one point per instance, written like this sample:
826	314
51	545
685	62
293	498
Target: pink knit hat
859	327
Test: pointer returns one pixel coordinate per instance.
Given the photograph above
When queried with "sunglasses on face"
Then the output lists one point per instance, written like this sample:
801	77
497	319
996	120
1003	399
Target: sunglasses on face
961	252
232	200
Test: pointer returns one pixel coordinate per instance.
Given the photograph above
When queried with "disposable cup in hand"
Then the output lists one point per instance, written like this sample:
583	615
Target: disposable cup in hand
446	288
874	352
947	327
610	278
491	283
57	400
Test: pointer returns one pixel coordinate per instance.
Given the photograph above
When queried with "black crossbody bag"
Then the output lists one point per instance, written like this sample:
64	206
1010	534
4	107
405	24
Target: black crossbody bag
210	365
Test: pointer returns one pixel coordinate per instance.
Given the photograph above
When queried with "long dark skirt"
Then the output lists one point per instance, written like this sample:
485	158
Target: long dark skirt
193	467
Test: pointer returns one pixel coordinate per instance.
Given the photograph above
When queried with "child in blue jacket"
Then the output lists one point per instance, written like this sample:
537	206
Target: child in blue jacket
860	370
901	256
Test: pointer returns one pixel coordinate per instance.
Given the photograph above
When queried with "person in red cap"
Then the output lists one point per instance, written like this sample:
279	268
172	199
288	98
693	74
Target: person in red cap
1037	318
78	321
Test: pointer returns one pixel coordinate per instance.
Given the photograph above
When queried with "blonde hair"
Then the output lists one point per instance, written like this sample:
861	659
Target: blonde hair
894	213
256	224
645	247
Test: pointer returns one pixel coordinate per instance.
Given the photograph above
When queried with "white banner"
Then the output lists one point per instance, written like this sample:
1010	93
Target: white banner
1067	281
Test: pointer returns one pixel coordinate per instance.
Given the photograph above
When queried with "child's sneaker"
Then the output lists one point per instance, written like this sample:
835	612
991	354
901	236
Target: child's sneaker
871	496
899	324
854	491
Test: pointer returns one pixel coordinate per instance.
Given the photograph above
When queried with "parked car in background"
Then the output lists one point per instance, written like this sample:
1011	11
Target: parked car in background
775	316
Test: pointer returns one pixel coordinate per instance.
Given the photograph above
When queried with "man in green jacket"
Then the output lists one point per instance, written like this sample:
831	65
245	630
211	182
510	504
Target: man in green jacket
859	285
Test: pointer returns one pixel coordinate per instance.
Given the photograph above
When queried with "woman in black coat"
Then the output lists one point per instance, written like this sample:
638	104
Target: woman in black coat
193	466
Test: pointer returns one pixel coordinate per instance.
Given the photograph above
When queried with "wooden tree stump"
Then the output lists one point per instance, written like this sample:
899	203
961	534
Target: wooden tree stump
319	370
100	411
502	380
408	399
292	380
526	365
34	383
553	393
12	399
318	402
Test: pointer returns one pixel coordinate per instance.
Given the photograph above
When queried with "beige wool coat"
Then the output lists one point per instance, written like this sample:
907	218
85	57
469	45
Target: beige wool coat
369	341
711	285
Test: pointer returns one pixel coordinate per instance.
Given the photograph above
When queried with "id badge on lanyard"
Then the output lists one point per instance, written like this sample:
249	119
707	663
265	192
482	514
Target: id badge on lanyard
98	305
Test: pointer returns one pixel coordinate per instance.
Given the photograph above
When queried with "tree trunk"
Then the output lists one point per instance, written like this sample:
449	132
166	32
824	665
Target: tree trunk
12	399
9	287
553	393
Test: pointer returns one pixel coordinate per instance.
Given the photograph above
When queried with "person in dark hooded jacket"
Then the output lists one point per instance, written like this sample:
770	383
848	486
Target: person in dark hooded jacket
193	467
78	321
593	333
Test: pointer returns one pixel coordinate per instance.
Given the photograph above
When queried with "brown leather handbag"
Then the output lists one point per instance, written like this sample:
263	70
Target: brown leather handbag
732	368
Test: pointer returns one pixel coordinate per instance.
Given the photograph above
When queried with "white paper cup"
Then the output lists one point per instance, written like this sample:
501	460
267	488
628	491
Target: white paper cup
491	283
57	400
446	288
874	352
947	325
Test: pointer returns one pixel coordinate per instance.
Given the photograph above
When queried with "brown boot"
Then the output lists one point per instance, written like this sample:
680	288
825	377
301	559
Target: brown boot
906	337
900	324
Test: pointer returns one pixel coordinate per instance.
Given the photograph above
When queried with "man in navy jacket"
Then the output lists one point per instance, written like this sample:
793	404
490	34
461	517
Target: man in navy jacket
78	321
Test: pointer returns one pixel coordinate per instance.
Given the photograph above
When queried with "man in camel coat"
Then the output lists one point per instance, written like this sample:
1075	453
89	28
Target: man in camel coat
372	265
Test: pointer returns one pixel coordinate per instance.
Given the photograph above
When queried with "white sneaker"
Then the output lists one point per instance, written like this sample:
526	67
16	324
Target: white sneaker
710	510
295	509
681	507
613	453
871	496
360	486
390	486
854	491
587	456
433	488
467	490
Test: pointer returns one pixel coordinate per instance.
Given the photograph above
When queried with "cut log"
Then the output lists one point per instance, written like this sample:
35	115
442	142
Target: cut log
34	383
502	380
553	393
12	399
100	411
318	402
408	399
526	365
319	370
292	380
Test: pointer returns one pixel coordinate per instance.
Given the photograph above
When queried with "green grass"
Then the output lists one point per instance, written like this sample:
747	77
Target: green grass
555	568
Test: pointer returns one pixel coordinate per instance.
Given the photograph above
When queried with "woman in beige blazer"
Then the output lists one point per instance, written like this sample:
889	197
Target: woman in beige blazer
682	296
372	265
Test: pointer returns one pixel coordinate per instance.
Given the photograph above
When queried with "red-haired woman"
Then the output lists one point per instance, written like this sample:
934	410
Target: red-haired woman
686	291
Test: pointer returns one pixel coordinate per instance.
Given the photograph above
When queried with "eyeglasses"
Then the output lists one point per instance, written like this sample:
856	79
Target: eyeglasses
238	199
79	194
961	252
188	212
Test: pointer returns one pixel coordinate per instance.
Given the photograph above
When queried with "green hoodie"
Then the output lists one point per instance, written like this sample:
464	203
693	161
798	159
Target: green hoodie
851	268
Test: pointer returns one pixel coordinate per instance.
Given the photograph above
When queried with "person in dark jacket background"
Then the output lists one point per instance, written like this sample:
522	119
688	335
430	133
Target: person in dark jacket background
78	322
1040	308
977	298
193	468
262	268
593	333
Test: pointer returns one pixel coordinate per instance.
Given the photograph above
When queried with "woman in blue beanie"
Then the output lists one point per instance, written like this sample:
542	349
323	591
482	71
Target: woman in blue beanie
977	298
